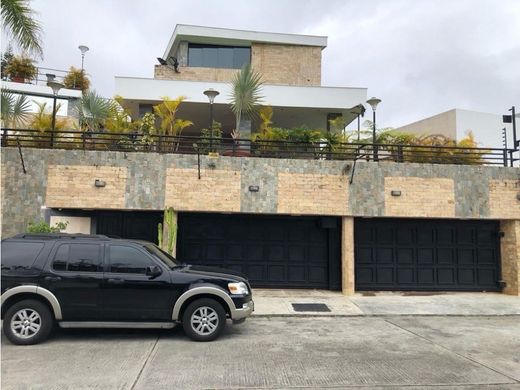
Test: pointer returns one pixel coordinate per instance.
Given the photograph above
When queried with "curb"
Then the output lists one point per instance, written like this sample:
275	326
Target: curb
314	315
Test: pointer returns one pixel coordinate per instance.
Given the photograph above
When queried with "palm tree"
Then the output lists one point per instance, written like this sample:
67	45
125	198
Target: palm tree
245	95
15	110
94	110
166	111
17	18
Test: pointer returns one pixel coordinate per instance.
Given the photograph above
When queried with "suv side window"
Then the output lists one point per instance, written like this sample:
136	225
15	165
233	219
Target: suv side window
76	257
128	260
17	255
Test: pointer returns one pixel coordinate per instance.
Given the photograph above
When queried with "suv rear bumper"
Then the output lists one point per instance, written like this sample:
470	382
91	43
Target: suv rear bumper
244	312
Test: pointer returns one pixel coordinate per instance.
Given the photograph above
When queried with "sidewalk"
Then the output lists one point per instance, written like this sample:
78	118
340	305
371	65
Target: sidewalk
279	303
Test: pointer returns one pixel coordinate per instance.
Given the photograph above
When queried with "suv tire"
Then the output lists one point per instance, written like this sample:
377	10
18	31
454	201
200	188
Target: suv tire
28	322
204	319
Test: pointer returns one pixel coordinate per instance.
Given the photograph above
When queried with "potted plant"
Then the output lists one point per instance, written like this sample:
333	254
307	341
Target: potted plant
76	79
20	69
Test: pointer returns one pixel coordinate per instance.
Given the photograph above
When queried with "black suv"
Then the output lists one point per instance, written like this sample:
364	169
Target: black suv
93	281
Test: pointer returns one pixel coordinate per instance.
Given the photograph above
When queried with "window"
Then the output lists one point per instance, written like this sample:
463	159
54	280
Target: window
212	56
77	258
16	255
128	260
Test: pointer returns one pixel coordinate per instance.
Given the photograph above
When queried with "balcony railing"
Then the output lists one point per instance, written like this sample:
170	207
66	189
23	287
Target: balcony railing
133	142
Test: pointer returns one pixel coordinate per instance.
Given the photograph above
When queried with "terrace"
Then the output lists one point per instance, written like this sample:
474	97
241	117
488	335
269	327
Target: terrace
321	149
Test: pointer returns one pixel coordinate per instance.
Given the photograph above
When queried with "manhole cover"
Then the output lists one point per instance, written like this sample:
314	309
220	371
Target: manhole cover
310	307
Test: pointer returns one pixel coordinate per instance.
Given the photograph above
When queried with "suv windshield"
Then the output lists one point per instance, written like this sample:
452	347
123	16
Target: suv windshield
167	259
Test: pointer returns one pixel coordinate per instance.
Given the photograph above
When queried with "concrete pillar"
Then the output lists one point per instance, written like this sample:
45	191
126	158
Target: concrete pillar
347	256
510	254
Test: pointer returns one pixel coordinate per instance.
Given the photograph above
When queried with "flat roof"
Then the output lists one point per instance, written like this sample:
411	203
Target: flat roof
226	36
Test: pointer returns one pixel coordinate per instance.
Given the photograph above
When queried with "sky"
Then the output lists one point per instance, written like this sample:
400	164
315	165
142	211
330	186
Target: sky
421	57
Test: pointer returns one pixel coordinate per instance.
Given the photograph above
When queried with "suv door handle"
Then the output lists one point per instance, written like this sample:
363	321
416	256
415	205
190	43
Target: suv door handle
52	278
115	281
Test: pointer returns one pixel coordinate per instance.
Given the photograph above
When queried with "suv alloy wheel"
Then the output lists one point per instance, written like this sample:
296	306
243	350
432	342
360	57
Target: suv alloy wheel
28	322
204	319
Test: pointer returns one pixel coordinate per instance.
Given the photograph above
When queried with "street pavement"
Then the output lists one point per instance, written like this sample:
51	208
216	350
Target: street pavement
437	352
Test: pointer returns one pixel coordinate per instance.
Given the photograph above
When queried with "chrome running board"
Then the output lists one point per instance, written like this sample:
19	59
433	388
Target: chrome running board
106	324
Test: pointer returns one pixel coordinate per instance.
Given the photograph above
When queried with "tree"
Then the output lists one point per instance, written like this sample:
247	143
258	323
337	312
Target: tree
93	110
245	95
18	22
167	113
42	119
15	109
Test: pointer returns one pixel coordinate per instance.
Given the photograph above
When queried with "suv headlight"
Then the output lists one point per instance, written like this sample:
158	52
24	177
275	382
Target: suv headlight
239	288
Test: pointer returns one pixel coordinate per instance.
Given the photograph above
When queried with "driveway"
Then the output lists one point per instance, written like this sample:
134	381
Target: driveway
279	352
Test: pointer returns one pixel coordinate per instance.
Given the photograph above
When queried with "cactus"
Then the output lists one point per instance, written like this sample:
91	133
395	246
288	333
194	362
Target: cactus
170	224
160	235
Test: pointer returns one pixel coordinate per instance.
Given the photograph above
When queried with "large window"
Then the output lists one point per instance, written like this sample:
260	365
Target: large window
17	255
211	56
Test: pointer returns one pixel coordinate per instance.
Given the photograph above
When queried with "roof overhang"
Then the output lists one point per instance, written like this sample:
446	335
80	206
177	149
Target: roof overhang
225	36
328	99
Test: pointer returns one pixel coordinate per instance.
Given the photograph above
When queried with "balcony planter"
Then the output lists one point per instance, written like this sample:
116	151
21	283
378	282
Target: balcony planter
21	69
237	152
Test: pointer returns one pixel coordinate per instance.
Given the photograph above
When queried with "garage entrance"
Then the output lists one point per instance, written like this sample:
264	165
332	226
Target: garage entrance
429	255
272	251
138	225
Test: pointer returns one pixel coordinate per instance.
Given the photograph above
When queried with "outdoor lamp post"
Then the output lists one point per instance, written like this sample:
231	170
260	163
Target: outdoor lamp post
55	86
83	49
373	103
211	94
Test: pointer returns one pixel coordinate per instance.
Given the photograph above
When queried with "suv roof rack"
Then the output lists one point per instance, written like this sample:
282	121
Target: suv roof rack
54	236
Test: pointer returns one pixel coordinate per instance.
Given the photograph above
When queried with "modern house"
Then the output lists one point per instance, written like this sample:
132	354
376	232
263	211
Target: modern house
455	124
198	58
351	221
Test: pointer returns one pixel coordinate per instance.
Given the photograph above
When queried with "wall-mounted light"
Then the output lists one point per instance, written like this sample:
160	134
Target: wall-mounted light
518	196
254	188
99	183
395	193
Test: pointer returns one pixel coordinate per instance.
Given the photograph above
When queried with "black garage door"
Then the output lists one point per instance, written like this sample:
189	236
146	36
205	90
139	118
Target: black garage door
430	255
271	251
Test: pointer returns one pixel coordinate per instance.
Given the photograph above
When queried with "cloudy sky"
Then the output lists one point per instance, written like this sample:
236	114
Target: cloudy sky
421	57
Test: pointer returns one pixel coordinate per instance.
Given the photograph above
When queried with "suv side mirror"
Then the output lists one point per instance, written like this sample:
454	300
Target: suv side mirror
153	271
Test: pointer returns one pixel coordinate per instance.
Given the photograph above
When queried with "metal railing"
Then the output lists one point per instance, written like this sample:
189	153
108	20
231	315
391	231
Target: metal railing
41	76
321	150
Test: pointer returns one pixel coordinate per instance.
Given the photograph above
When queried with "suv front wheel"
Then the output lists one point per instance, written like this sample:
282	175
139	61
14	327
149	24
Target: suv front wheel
27	322
204	319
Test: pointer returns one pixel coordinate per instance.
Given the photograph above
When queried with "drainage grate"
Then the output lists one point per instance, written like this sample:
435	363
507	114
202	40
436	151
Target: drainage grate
319	307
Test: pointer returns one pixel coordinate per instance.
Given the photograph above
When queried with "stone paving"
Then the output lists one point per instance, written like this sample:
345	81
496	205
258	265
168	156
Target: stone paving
279	303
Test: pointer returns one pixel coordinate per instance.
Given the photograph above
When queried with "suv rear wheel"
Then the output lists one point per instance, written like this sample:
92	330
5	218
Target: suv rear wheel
204	319
27	322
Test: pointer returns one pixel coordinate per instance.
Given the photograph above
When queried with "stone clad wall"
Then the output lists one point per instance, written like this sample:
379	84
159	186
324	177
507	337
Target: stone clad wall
278	64
148	181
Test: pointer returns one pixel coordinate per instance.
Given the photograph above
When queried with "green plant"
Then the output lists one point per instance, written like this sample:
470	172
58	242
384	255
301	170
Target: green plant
42	119
18	21
93	111
6	58
76	79
245	95
167	113
43	227
15	110
119	119
206	145
170	224
21	67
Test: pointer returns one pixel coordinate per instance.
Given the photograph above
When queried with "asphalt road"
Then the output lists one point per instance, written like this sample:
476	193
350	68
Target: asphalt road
266	353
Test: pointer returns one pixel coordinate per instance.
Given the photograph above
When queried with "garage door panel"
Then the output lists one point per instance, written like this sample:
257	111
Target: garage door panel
406	275
276	273
425	256
384	256
407	254
272	251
